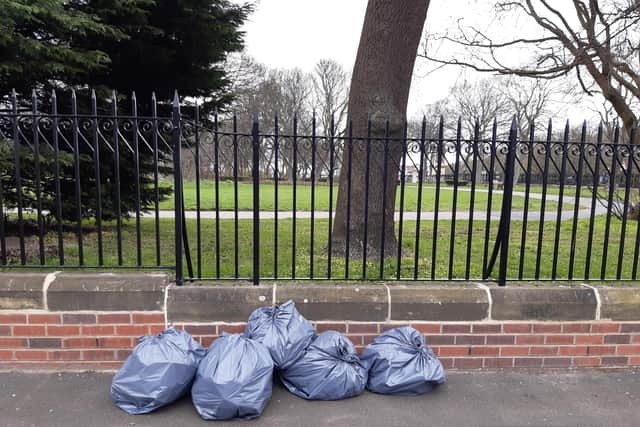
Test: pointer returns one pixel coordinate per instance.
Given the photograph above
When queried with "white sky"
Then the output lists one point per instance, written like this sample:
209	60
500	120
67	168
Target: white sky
297	33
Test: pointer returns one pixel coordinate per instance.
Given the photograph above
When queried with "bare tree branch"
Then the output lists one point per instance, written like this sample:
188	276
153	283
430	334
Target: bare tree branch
598	40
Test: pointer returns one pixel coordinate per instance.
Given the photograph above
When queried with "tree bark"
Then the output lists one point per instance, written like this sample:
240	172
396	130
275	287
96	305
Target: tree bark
380	85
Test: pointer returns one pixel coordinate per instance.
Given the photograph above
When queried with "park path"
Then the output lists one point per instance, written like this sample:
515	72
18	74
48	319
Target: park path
551	214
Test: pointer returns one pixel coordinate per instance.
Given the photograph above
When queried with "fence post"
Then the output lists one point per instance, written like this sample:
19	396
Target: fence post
507	199
177	186
256	200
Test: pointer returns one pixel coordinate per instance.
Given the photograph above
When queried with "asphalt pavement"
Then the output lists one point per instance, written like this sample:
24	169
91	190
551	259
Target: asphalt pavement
584	398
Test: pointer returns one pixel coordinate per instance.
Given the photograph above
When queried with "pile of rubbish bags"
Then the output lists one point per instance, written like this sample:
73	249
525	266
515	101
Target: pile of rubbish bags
234	377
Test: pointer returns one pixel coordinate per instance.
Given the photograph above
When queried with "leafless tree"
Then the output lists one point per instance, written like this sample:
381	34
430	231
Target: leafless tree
596	41
331	91
330	94
481	102
529	101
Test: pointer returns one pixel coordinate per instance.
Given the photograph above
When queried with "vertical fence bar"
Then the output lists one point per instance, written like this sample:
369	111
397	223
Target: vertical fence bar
294	177
18	173
185	234
632	155
235	196
563	177
366	199
505	216
594	194
216	178
313	193
276	172
98	177
612	184
76	169
527	191
384	194
177	185
456	177
349	173
331	167
403	166
625	208
3	242
196	135
543	202
436	206
136	171
474	168
156	175
116	184
491	177
56	168
255	133
36	149
576	206
416	253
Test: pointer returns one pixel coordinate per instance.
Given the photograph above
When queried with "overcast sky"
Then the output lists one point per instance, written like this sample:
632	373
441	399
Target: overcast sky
297	33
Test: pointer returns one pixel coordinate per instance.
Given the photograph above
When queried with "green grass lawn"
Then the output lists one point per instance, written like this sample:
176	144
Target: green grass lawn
302	255
303	198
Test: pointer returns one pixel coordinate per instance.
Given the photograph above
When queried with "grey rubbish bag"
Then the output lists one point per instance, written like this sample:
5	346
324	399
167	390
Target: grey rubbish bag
234	379
329	369
283	330
160	370
399	362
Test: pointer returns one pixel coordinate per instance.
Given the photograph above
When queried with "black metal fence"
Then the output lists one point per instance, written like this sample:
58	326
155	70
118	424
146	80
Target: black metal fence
226	197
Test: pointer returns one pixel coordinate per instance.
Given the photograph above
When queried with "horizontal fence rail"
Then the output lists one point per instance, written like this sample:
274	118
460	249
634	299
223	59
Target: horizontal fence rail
116	184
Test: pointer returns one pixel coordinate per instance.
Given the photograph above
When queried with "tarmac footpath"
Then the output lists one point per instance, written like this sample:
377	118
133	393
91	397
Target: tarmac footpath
578	398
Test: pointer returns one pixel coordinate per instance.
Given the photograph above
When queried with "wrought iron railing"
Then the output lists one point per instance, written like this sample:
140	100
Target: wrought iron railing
243	199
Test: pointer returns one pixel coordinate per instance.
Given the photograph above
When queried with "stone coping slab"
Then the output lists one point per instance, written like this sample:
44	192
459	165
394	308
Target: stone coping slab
358	302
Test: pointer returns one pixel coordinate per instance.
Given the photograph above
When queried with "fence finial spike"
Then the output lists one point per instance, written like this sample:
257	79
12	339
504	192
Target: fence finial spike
514	122
153	96
133	96
176	98
53	94
13	93
255	117
113	95
73	94
33	93
93	94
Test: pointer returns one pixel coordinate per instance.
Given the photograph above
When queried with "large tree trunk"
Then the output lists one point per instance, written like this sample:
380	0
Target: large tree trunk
380	85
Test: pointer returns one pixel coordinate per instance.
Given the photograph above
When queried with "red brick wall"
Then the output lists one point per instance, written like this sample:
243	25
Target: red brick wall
101	340
72	340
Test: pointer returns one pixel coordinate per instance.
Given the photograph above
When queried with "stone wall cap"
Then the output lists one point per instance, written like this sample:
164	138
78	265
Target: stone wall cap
110	282
22	290
107	291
